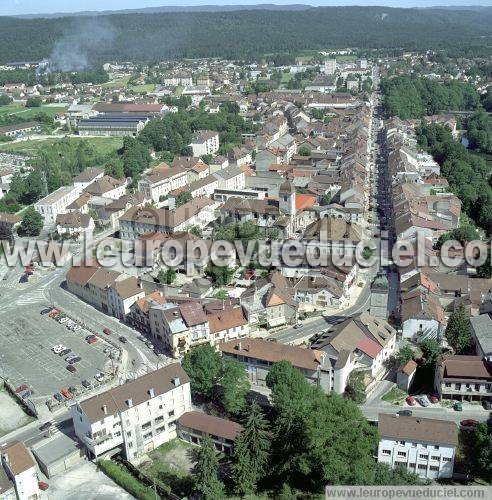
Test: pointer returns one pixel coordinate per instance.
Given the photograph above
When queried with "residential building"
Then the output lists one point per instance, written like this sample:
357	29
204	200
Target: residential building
20	468
161	180
258	355
205	142
423	446
361	344
464	378
87	177
138	221
56	203
107	187
405	375
74	224
270	301
482	335
107	290
194	425
136	417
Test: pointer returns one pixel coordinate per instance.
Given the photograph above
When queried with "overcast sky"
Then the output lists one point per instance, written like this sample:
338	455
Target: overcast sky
13	7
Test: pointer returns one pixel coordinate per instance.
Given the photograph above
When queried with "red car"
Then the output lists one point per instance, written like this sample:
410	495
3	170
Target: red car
66	393
469	423
21	388
433	399
107	331
411	401
71	368
91	339
53	313
43	486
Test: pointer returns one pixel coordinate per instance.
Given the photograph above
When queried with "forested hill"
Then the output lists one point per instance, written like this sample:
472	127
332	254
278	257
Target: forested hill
143	37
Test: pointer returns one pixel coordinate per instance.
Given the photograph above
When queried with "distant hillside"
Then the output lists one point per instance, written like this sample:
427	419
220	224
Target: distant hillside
172	8
237	34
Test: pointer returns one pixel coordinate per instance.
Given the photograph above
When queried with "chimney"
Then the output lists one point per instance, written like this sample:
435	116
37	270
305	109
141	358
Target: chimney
105	409
151	392
239	346
129	403
176	381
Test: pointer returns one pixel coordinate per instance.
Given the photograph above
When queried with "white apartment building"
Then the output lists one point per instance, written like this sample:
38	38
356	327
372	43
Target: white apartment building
20	468
423	446
161	181
136	417
205	142
230	178
87	177
56	203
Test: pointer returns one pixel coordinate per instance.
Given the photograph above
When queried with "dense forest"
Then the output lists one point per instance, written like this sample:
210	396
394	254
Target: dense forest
241	34
410	96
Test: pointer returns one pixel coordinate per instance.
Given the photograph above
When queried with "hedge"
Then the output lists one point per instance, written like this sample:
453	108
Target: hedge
120	475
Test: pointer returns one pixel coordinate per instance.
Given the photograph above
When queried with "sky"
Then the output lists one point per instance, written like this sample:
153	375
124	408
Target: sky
16	7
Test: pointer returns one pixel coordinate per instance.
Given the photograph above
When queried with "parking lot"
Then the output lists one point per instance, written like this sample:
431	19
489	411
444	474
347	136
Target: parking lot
27	338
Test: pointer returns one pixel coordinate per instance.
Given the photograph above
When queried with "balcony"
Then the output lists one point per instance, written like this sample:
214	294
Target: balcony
92	442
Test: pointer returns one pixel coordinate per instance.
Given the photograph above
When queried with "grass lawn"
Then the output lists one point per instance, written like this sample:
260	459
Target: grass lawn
170	466
142	89
118	83
346	58
394	395
23	112
286	78
102	145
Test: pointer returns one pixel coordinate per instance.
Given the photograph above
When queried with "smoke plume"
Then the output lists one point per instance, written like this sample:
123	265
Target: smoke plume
74	51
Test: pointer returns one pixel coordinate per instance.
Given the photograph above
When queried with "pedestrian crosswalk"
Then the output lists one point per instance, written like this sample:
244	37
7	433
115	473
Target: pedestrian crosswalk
34	297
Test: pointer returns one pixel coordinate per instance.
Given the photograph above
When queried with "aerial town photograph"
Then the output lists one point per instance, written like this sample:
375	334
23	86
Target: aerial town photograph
245	249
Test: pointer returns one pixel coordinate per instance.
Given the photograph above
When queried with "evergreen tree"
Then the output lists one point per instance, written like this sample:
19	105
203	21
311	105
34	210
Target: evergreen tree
458	331
207	484
251	452
32	222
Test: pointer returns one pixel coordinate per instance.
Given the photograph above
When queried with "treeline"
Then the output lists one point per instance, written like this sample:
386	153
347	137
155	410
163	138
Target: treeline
410	96
467	173
249	33
479	132
30	77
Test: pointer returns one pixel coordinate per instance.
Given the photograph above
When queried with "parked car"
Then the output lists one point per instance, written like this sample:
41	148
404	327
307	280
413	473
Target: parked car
66	393
423	401
487	404
76	328
45	311
298	325
64	320
86	384
107	331
141	338
27	394
122	339
411	400
75	359
433	399
72	389
91	339
53	313
458	406
149	344
47	425
65	352
71	368
468	424
58	397
57	349
43	486
405	413
21	388
99	376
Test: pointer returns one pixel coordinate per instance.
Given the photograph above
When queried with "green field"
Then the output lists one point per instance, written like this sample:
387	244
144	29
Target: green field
346	58
101	145
142	89
27	113
286	78
116	84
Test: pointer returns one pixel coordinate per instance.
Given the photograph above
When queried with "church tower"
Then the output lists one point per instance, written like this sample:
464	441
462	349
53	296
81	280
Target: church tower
287	198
